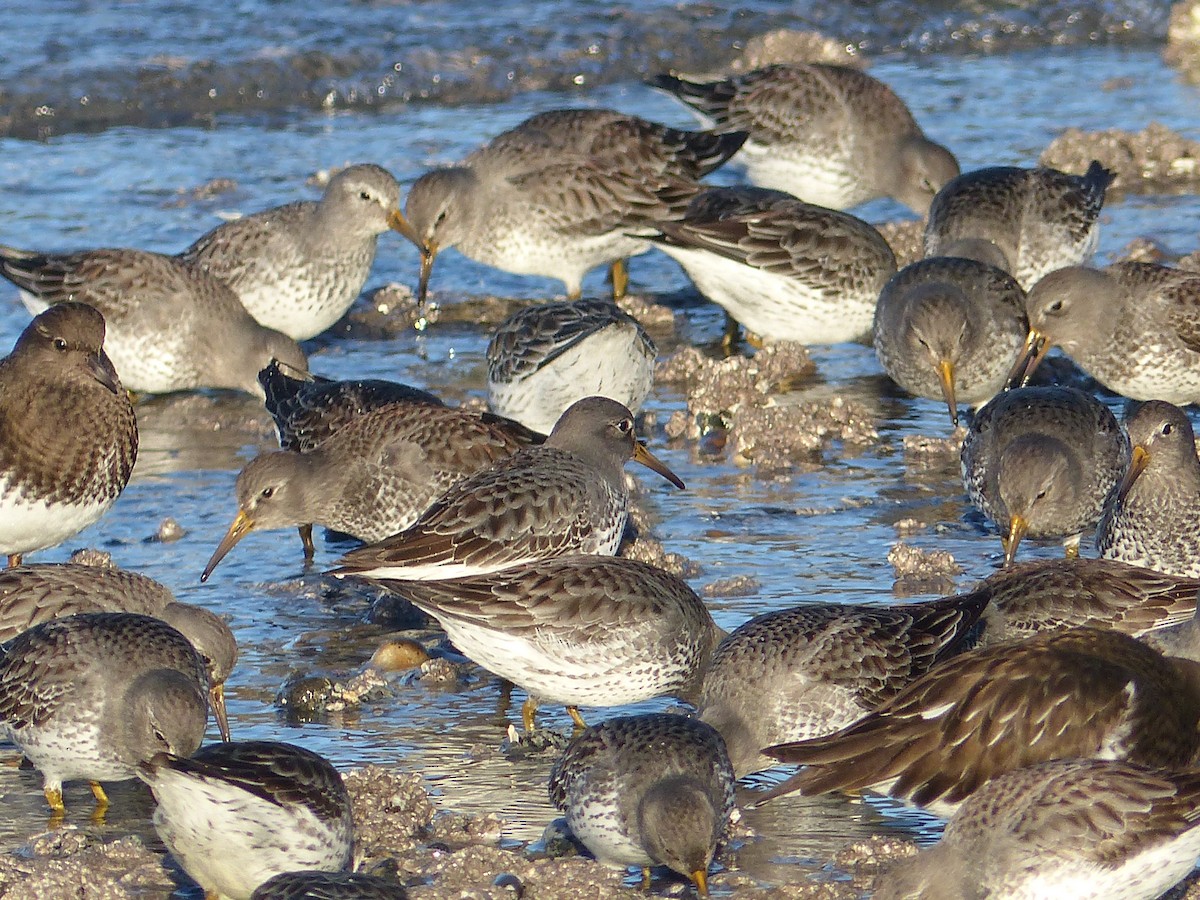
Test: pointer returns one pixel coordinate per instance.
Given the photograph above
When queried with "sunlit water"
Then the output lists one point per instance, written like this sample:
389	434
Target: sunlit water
821	533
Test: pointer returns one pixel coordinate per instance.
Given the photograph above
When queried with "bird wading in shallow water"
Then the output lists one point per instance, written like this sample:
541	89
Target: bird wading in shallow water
565	497
560	193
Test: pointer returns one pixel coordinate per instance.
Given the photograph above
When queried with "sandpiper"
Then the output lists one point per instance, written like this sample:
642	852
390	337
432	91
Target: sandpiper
544	357
69	436
237	814
1091	828
169	327
567	496
30	595
1028	222
373	477
1153	518
1040	461
561	193
784	269
831	135
1049	594
647	790
328	886
1083	692
93	695
577	630
949	328
298	268
1133	327
811	669
307	408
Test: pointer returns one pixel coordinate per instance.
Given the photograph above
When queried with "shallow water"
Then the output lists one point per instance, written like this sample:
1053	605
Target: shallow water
278	92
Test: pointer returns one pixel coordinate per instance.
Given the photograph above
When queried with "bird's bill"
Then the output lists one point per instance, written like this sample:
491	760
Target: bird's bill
397	222
216	702
1138	460
1037	345
650	461
104	371
1017	526
946	377
429	253
242	526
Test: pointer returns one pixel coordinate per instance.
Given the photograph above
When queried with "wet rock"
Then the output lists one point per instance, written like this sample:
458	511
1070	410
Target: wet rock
770	437
924	450
541	741
472	873
874	852
1147	250
656	318
732	407
640	544
442	672
72	863
1155	160
208	190
785	45
922	571
1183	39
558	841
392	811
735	586
168	532
303	698
87	556
909	527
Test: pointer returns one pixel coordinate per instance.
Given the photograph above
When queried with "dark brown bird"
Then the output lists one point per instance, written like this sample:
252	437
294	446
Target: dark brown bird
1084	692
68	435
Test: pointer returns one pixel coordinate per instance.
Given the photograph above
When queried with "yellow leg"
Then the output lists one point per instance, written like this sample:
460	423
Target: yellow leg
528	711
98	793
54	798
575	294
101	803
14	559
620	278
306	539
729	338
1071	548
573	712
646	878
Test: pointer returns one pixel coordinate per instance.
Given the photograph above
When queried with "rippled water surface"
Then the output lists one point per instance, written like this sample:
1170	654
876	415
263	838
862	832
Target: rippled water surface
111	115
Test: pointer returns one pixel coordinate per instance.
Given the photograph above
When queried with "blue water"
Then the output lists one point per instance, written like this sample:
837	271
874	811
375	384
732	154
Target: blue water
266	94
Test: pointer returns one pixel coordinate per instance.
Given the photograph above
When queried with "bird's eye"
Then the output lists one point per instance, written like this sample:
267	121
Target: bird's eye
1167	428
267	493
1055	307
60	344
625	426
365	195
161	739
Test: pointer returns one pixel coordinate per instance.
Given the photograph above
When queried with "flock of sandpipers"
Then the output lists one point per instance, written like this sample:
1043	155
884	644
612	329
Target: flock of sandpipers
1053	713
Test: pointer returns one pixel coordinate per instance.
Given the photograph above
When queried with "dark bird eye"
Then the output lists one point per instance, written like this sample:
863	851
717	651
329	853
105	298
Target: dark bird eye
1167	428
1054	307
60	343
625	426
365	195
267	493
